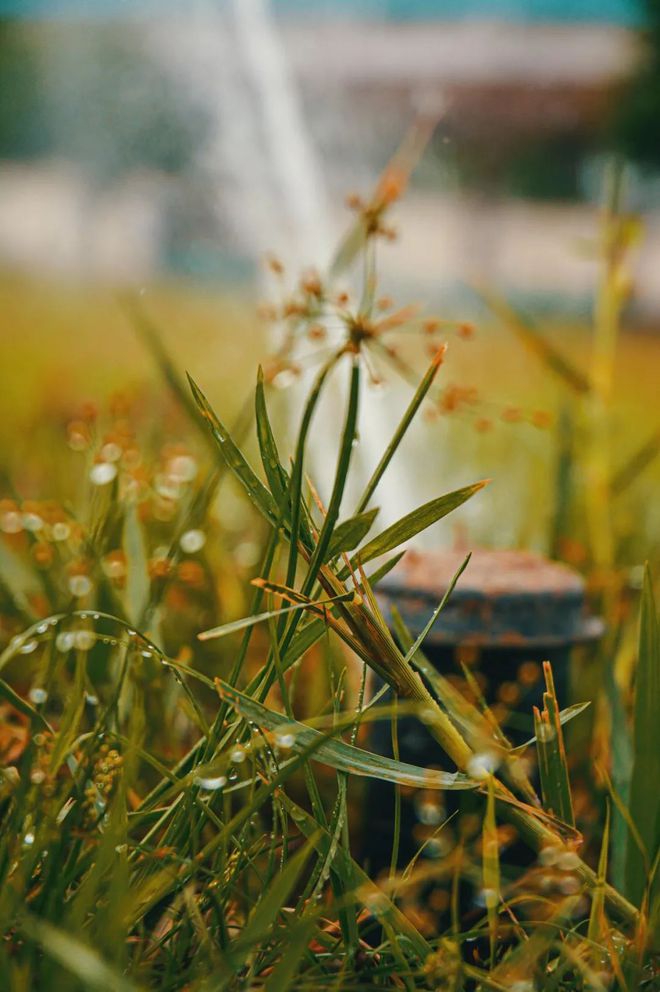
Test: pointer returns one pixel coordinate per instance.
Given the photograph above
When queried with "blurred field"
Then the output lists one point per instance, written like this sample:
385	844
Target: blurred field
64	344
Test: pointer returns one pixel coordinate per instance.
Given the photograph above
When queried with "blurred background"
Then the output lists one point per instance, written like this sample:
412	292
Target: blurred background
164	148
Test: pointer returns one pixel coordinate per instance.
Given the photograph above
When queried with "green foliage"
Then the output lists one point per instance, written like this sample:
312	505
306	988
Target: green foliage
181	821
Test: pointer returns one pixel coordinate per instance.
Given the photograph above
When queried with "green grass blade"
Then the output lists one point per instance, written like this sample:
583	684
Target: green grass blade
412	651
644	804
536	343
262	919
343	462
491	868
415	522
230	628
348	534
76	957
234	459
553	765
138	583
337	754
596	915
270	458
406	420
368	892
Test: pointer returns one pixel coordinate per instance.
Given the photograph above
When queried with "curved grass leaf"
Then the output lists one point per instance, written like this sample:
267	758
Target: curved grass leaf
404	424
244	622
416	521
569	713
234	459
348	534
339	755
270	458
78	958
644	805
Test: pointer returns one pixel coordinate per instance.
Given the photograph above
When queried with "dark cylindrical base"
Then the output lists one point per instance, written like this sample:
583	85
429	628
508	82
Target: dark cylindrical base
511	682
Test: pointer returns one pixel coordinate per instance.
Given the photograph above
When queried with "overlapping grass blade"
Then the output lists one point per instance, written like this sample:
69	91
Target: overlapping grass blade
644	804
415	522
337	754
399	434
348	534
232	456
553	764
536	343
75	956
230	628
270	458
491	867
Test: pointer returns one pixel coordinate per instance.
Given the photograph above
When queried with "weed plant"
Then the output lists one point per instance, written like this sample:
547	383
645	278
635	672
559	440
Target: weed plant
163	827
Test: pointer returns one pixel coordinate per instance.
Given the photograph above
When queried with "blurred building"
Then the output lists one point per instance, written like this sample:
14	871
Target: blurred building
193	141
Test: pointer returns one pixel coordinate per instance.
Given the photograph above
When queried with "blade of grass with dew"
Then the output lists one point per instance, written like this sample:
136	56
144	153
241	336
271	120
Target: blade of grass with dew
319	553
337	754
491	868
402	429
234	459
270	458
461	711
235	625
565	715
644	802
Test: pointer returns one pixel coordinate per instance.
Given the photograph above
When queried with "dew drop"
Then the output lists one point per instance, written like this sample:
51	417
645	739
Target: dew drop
237	755
481	765
42	628
429	812
111	452
28	839
29	646
37	695
549	855
11	522
183	467
91	699
285	740
32	521
84	640
102	473
61	531
37	776
546	733
64	641
210	783
80	585
568	861
192	541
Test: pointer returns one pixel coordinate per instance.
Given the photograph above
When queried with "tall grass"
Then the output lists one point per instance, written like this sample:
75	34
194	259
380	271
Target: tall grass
174	825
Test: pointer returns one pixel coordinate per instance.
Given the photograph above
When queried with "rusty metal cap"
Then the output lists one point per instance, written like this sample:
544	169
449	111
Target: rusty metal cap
502	599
